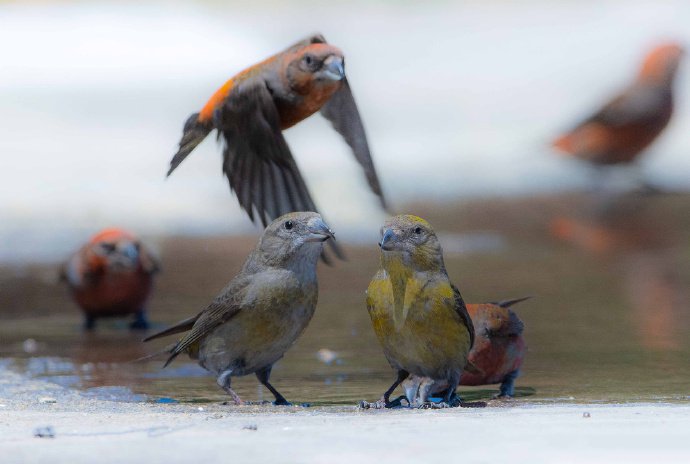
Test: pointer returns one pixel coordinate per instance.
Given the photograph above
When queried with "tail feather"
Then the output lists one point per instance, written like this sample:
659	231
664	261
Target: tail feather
193	134
182	326
167	350
509	303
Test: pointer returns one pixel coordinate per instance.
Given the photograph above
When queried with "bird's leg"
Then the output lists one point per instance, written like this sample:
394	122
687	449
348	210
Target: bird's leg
224	382
140	322
263	376
423	394
411	387
402	375
89	323
507	389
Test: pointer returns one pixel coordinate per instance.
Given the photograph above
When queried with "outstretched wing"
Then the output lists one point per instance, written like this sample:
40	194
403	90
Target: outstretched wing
341	111
461	309
256	158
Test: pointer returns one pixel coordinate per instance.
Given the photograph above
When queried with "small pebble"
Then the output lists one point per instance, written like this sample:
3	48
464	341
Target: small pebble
47	400
250	427
44	432
200	409
586	415
30	345
326	356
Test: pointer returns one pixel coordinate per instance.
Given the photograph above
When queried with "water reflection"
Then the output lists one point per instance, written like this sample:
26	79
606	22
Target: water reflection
608	321
638	241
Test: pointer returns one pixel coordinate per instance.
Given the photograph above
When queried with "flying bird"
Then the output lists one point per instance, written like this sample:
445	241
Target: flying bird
111	276
251	111
619	131
262	311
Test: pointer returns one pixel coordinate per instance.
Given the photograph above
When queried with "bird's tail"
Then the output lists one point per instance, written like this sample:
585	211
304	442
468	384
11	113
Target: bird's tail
509	303
167	350
193	133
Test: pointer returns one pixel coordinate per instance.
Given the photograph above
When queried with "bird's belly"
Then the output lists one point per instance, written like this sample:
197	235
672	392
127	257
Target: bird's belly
253	339
295	111
496	359
115	294
424	347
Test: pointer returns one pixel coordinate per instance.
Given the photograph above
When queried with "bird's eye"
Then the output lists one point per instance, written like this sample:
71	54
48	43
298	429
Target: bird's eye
418	230
289	225
108	247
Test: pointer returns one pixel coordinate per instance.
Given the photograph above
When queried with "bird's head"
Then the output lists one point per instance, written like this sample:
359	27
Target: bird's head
410	240
113	250
293	239
661	64
315	66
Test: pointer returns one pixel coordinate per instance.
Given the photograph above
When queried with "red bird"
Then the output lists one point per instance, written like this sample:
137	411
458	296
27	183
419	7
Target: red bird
251	110
496	355
111	276
619	131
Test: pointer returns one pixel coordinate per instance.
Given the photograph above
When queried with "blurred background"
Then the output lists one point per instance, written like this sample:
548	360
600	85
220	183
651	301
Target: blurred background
460	101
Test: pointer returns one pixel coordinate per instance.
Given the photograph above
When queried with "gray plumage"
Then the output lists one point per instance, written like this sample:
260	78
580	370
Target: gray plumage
263	310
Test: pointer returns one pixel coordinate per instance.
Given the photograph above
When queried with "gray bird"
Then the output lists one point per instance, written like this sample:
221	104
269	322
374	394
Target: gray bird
263	310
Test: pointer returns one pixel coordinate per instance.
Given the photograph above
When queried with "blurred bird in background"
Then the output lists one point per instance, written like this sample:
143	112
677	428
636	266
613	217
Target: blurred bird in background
251	110
263	310
497	353
418	315
625	126
111	276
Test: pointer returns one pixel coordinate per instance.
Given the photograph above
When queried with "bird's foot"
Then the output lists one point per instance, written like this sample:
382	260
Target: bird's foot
399	402
502	396
281	402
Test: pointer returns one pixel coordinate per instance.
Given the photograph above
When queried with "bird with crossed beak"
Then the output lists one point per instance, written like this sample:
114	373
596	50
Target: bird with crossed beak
619	131
251	111
262	311
111	276
418	315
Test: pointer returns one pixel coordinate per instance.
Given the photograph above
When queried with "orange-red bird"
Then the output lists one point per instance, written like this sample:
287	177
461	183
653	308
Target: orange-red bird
626	125
110	276
499	347
496	355
251	110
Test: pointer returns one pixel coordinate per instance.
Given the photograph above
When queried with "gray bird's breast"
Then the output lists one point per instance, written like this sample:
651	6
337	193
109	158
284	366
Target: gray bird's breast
258	336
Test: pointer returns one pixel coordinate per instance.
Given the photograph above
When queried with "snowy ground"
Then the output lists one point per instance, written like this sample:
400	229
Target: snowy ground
96	430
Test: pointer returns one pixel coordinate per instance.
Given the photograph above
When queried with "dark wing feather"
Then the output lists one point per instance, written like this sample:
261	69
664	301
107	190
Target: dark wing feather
216	314
464	315
255	148
256	158
341	111
639	105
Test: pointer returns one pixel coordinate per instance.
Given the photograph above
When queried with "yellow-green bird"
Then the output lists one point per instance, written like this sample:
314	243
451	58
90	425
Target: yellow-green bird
418	315
263	310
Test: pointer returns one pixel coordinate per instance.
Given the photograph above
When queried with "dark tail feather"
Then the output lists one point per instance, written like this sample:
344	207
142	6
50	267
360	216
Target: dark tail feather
509	303
194	132
182	326
167	350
